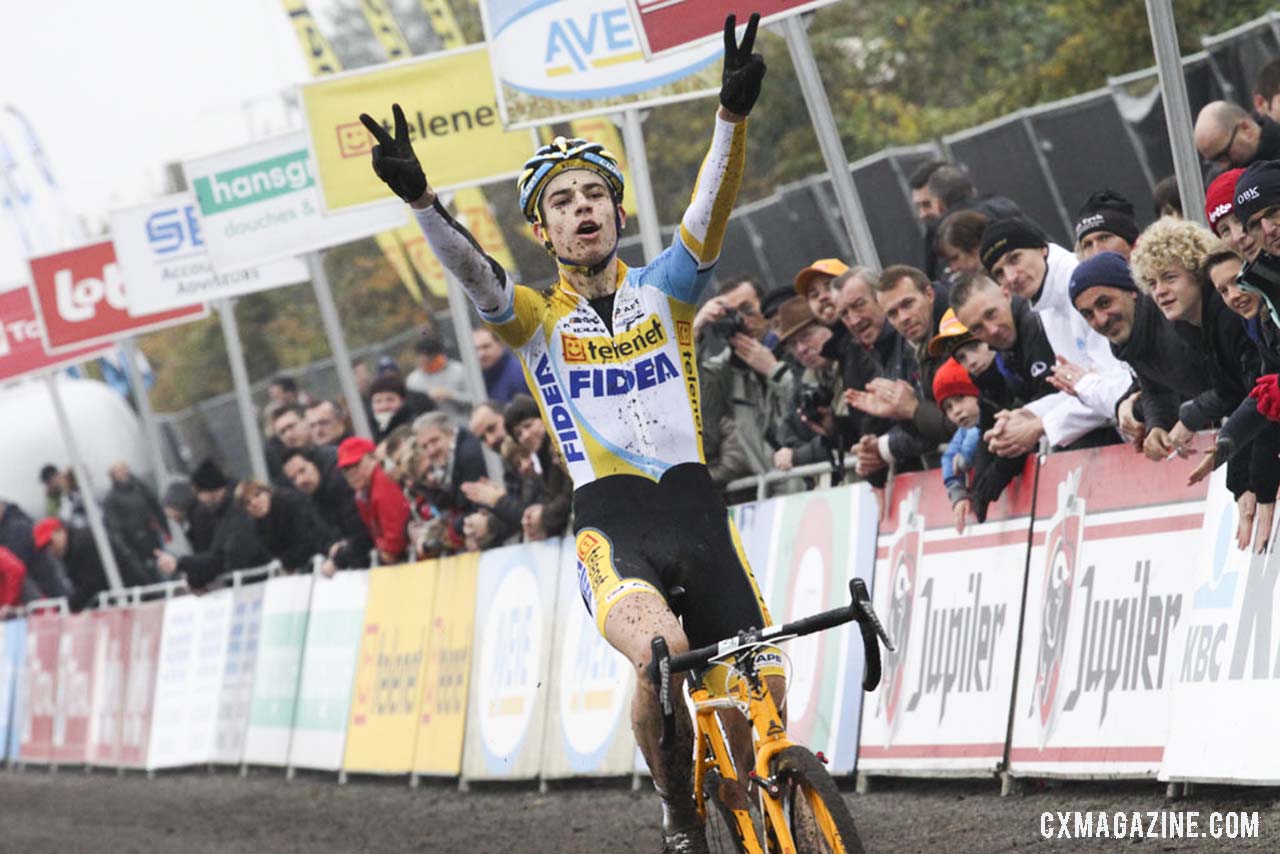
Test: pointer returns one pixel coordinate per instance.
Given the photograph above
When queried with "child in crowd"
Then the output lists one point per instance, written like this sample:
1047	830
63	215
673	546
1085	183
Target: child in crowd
958	397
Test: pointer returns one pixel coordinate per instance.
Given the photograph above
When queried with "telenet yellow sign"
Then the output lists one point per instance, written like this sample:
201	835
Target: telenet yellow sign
449	101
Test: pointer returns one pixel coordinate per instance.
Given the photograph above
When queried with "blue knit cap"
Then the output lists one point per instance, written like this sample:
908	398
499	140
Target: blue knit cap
1106	269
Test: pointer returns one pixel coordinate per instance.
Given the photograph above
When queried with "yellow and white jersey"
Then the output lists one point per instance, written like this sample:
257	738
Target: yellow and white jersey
624	402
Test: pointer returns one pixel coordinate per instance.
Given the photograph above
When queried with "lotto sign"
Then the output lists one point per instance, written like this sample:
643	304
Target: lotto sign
950	602
818	542
145	624
21	341
561	59
393	650
80	299
260	203
193	652
40	675
1104	616
591	687
237	679
515	606
328	669
281	637
111	653
74	696
442	714
452	114
13	642
667	25
1228	667
161	247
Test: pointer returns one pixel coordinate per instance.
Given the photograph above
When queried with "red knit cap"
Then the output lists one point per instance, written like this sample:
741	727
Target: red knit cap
951	380
1218	197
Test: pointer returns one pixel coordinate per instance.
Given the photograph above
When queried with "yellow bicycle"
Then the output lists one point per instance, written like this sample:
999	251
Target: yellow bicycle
797	808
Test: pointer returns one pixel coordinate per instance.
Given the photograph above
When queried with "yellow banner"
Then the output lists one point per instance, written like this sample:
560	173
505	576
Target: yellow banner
320	56
452	113
444	23
389	671
385	29
394	251
443	710
419	253
600	129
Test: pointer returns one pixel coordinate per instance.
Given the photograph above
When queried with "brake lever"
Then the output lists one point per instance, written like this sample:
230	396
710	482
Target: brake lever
864	611
660	675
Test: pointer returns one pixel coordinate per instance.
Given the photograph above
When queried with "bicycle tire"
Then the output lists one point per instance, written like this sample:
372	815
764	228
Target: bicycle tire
820	819
723	833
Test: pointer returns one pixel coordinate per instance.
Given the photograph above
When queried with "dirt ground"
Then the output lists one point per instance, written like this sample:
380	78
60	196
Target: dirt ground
69	812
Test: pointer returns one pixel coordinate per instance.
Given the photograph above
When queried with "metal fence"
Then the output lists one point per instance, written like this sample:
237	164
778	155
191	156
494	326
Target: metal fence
1047	158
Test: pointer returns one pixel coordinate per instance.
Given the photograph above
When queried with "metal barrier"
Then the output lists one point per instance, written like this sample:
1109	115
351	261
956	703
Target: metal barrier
761	482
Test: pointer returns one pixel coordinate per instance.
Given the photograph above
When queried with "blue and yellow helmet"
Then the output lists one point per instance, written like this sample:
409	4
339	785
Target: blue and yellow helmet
561	155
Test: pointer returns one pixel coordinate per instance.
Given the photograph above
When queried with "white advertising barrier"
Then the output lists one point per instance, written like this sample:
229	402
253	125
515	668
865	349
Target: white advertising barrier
328	670
74	697
589	723
1227	670
818	541
13	642
160	247
950	602
1105	616
275	681
237	678
259	203
515	607
193	656
111	654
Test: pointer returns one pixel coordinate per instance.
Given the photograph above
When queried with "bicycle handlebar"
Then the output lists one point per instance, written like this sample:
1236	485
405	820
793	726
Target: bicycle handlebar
859	610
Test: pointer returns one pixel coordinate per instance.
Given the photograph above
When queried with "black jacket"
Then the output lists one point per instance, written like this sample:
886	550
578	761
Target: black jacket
84	568
336	504
133	514
234	545
415	404
1232	360
1168	370
293	530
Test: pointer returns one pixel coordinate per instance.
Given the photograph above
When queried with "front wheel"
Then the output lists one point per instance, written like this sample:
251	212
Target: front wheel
730	820
820	821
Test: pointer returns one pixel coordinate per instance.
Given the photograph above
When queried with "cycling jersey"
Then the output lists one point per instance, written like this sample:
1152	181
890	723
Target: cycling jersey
626	402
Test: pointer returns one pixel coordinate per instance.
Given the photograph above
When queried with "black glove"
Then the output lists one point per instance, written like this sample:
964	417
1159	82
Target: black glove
394	160
743	70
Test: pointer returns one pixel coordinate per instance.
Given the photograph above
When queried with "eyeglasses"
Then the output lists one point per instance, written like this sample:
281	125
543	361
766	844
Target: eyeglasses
1222	156
1271	214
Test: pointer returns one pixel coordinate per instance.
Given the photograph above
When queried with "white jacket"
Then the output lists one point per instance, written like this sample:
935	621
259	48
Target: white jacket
1099	391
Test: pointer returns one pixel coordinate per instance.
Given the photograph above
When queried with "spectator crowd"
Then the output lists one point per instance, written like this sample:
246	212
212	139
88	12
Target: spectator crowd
1003	343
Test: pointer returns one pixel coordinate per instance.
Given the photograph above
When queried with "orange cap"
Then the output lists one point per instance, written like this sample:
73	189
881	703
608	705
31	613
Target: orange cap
822	267
950	333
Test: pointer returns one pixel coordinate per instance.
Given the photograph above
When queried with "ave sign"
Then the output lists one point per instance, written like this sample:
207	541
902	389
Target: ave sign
667	25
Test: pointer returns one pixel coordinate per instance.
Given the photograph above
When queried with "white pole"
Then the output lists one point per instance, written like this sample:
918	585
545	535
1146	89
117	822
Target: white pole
1177	109
240	378
638	161
338	344
150	429
824	124
85	480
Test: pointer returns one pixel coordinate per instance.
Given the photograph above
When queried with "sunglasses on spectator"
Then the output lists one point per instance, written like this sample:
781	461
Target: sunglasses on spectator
1221	156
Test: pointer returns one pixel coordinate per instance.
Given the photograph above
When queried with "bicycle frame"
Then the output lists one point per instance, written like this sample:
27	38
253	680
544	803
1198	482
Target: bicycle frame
769	736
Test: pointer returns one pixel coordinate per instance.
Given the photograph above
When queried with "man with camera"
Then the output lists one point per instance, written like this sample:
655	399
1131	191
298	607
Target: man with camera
745	387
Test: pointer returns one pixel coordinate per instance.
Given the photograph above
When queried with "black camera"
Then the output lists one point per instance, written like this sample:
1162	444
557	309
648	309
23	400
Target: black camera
729	325
813	398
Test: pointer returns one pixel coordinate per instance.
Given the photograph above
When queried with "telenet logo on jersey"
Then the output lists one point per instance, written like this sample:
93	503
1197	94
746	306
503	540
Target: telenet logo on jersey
646	336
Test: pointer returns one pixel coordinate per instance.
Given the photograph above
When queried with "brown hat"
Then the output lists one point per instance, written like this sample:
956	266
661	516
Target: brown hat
822	267
793	316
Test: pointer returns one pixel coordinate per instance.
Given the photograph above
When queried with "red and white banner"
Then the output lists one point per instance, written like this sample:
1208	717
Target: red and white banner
22	349
40	674
1104	624
950	603
145	625
111	652
75	690
80	298
666	25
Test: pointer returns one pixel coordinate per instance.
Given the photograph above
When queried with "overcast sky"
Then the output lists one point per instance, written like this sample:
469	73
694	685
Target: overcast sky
115	89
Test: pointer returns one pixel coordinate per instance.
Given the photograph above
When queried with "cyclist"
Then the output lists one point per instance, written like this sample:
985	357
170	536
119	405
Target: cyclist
610	355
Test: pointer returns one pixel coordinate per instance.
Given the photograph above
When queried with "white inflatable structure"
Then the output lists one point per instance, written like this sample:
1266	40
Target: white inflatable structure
105	427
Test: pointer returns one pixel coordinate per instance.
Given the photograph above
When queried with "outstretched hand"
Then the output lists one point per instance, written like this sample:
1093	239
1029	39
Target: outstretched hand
743	70
394	160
